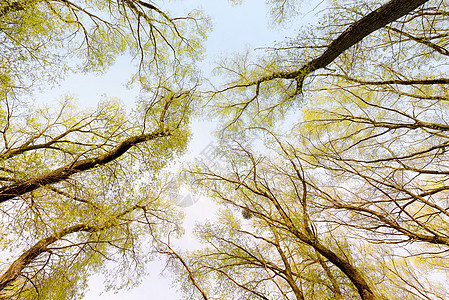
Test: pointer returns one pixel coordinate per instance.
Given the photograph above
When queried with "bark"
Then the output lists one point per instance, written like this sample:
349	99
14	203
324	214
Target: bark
335	286
377	19
62	173
346	267
189	271
28	256
353	274
40	247
288	270
356	277
396	81
11	7
414	236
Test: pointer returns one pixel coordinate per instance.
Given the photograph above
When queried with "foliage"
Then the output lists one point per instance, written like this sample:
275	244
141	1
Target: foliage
348	202
351	202
82	187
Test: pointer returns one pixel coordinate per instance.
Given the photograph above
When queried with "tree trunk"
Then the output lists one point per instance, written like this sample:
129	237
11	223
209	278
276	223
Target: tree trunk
377	19
60	174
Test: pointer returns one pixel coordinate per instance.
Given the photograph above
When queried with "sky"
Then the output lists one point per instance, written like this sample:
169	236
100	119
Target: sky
236	29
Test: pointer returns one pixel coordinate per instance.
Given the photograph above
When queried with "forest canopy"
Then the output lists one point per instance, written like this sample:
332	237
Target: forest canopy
344	194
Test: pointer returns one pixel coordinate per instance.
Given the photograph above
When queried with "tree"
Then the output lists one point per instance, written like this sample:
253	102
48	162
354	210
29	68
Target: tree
268	76
82	187
283	249
388	133
306	238
48	38
351	203
109	166
348	204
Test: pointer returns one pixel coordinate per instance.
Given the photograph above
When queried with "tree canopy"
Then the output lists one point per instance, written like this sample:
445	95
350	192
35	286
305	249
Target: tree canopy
82	186
342	196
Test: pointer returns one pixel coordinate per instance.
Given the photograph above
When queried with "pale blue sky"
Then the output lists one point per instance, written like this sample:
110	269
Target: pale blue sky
236	28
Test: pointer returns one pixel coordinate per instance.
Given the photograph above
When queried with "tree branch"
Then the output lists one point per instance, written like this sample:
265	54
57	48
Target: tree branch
28	256
377	19
11	7
40	247
62	173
